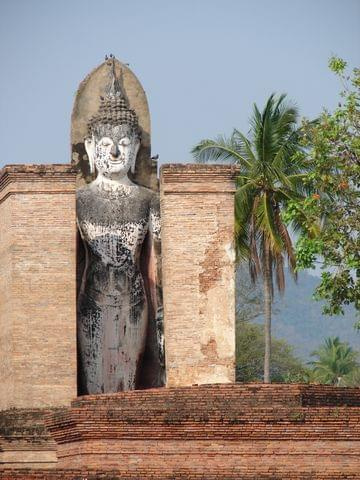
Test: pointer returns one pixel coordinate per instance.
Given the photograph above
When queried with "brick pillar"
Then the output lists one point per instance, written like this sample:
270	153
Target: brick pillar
37	286
197	209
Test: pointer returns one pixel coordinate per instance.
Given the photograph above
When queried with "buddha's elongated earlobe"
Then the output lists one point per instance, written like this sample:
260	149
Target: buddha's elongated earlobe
90	150
136	150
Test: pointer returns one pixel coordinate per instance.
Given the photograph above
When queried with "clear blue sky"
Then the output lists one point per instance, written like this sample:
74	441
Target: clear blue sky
202	63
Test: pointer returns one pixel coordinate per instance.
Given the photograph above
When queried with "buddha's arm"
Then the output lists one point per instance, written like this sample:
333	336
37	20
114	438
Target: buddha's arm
154	256
151	269
80	261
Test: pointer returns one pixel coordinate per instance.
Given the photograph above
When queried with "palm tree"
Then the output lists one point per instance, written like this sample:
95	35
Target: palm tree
270	175
337	362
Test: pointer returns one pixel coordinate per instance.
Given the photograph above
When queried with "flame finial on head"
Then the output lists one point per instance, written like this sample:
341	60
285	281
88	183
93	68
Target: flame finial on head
114	87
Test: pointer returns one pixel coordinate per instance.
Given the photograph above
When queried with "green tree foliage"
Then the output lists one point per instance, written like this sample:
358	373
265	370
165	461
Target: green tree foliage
352	379
250	349
270	175
336	363
329	219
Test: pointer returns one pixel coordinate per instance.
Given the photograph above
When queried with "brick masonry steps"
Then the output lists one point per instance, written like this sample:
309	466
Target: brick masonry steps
247	395
224	431
231	412
24	439
215	431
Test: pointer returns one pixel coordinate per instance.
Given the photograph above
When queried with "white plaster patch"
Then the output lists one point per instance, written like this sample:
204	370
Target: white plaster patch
155	224
230	251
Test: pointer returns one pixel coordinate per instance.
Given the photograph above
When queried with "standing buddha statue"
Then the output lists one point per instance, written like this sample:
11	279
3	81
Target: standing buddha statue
118	222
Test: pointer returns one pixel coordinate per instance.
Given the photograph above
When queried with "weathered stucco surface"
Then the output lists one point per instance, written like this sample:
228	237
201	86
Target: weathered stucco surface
38	286
197	214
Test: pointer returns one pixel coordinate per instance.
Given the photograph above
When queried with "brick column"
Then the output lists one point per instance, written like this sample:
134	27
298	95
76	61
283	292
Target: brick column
37	286
197	209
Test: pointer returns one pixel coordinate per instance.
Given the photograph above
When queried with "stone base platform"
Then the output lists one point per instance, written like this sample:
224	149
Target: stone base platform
24	440
227	431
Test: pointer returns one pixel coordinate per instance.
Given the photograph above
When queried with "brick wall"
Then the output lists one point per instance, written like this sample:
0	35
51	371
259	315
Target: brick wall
184	473
37	280
6	319
197	210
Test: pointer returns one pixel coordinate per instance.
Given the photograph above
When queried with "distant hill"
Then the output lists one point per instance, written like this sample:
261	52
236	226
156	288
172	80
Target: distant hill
298	318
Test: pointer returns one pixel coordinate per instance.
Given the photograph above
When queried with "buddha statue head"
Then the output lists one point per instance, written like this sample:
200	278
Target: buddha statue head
114	138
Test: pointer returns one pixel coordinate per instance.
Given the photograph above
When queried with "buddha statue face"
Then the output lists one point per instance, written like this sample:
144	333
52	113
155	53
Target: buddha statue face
112	152
114	134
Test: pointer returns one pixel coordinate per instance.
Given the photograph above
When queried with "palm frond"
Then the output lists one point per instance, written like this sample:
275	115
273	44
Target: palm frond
284	195
266	223
254	260
286	120
221	149
279	271
279	101
244	198
286	148
266	258
244	146
242	249
335	360
288	246
266	138
298	185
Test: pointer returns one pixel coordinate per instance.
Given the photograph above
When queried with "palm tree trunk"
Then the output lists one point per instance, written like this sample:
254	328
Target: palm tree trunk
267	310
